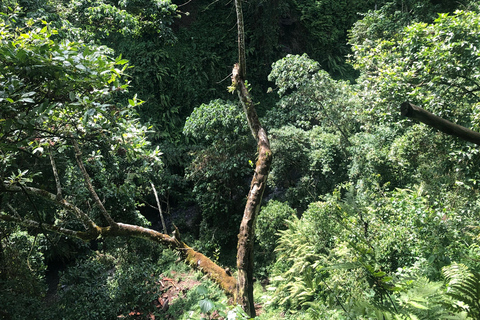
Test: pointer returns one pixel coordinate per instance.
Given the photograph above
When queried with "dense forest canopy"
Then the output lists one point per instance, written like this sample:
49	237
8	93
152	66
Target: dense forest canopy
124	152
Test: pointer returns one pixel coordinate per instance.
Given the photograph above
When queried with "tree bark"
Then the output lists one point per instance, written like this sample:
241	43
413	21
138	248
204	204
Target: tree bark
246	235
244	296
414	112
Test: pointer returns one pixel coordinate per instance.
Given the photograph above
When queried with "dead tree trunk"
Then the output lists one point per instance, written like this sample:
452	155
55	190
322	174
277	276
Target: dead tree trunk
244	295
413	112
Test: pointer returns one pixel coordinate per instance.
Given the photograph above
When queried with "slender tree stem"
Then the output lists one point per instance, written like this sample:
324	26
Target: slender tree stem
88	184
242	72
159	207
55	174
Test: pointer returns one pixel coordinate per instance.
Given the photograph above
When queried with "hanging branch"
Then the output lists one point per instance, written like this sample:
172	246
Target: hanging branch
88	184
159	207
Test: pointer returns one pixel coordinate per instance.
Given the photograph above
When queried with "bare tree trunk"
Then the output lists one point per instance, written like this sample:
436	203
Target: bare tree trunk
413	112
244	296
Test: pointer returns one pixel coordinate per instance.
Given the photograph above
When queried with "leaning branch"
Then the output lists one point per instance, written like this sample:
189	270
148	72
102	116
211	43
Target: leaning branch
159	207
88	184
190	256
55	174
82	216
414	112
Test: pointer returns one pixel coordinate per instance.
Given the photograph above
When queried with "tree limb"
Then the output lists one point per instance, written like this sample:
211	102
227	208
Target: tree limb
413	112
55	174
88	184
82	216
242	70
190	256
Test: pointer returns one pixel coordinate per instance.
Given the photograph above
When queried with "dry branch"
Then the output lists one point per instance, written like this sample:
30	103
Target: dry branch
88	184
414	112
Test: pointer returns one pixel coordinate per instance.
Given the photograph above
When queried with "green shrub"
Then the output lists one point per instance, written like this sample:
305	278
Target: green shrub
272	218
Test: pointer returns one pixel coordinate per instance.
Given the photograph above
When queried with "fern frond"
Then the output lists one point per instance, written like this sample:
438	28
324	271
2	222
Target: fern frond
464	286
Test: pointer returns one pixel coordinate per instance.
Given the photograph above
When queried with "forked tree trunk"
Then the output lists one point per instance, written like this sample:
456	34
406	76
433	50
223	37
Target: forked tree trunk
244	295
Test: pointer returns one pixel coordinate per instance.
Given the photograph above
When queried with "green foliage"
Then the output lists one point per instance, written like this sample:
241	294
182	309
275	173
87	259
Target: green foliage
427	64
309	97
299	255
325	26
374	250
211	309
306	164
141	32
220	170
54	91
126	279
371	253
58	90
391	17
464	287
271	219
21	273
84	294
108	20
398	202
216	121
311	127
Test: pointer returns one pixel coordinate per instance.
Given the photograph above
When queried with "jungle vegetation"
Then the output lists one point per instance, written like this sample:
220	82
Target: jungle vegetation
278	159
